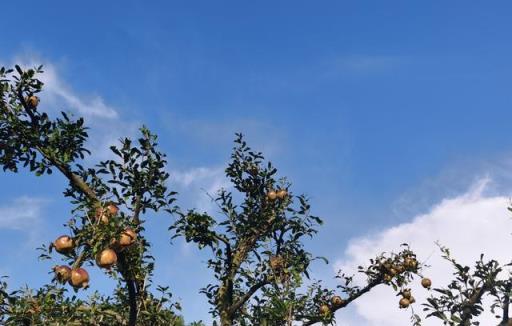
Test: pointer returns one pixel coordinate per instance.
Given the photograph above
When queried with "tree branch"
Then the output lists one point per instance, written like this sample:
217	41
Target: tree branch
243	299
132	290
474	299
506	304
367	288
75	180
137	209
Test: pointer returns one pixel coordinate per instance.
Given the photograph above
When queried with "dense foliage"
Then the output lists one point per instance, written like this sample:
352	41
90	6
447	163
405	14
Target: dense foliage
107	227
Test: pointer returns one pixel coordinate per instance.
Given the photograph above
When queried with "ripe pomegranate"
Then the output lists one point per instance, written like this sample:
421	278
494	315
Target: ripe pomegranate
106	259
271	195
127	238
406	294
387	278
426	283
62	273
102	215
337	301
63	244
410	263
324	309
79	278
112	209
276	263
281	194
404	303
32	101
412	300
105	213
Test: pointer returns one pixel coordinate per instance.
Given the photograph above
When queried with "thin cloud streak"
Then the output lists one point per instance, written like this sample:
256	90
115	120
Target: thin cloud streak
57	91
22	214
202	182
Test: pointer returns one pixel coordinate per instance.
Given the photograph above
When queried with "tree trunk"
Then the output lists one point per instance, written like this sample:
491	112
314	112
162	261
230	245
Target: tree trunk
225	319
132	296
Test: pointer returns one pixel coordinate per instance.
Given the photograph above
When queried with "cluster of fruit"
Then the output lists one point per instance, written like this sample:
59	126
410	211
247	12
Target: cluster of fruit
391	269
336	302
279	194
78	277
407	298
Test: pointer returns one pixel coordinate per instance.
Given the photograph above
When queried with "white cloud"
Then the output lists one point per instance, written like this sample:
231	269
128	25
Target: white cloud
196	184
469	224
106	127
187	177
58	92
22	214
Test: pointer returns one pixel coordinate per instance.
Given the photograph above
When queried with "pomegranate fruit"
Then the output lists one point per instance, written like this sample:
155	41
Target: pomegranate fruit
276	263
281	194
79	278
324	309
106	259
272	195
337	301
63	244
32	101
127	238
102	215
112	209
426	283
62	273
404	303
406	294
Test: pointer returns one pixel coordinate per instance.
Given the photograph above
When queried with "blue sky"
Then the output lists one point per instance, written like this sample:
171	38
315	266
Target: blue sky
377	110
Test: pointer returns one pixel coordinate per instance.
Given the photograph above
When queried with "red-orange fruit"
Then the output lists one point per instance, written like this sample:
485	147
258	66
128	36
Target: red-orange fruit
63	244
404	303
127	238
62	273
272	195
281	194
106	259
79	278
324	309
337	301
32	101
426	283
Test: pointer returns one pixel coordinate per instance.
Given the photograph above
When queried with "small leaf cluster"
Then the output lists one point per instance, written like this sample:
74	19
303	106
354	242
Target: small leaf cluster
29	137
461	300
52	305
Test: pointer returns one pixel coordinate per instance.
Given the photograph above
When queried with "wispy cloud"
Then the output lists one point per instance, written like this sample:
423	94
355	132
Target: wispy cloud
58	91
24	214
468	224
197	184
21	214
220	132
105	123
